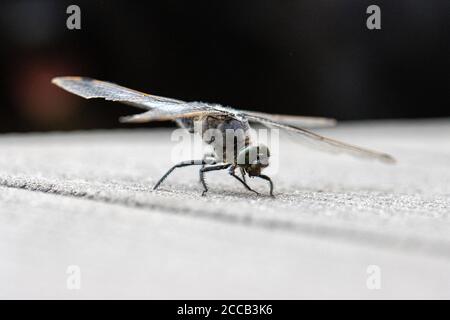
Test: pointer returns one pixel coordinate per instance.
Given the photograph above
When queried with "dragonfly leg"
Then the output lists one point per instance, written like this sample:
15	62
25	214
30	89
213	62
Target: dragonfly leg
211	168
262	176
242	173
210	158
180	165
231	172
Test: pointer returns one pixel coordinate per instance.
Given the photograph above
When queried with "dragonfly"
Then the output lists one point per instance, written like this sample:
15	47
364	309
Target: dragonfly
243	154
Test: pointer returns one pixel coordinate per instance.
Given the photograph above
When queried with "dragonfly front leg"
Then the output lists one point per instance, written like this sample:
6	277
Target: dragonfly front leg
211	168
262	176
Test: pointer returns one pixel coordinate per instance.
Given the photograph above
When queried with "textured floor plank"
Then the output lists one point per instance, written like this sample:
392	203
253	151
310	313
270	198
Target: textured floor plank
85	198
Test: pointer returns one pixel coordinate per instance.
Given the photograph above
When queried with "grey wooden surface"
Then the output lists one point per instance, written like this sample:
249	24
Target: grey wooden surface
86	199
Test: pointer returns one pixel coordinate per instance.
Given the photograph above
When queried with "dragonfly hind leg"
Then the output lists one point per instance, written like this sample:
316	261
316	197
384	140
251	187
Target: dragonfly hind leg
211	168
242	173
209	158
180	165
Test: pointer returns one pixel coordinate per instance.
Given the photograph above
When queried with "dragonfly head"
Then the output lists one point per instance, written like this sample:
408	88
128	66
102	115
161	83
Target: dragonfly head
253	159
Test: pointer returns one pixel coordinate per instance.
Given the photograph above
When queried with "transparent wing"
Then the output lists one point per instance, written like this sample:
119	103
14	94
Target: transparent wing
155	115
298	121
91	88
158	108
322	143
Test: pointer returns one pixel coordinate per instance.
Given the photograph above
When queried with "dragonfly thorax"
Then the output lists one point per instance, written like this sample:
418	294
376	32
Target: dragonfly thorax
226	135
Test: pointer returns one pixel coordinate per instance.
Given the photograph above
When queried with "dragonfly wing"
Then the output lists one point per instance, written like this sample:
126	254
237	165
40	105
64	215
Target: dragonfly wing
158	108
155	115
91	88
322	143
298	121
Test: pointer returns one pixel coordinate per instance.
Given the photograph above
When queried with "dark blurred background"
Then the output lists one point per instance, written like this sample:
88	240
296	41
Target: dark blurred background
308	57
